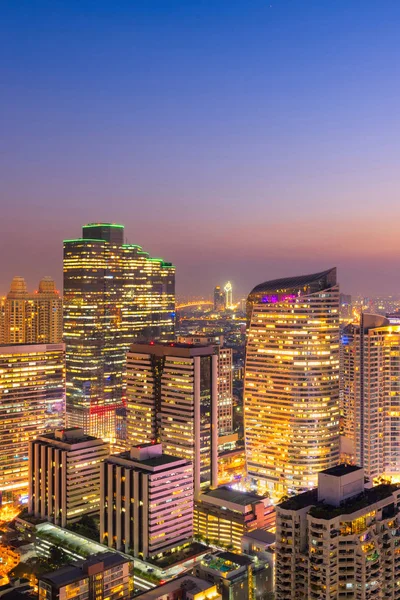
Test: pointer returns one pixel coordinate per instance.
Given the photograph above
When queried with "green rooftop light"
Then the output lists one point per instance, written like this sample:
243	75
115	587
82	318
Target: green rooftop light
84	240
103	225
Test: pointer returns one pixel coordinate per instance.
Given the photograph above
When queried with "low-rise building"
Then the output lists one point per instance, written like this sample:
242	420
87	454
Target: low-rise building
102	577
147	501
224	515
341	540
237	576
64	475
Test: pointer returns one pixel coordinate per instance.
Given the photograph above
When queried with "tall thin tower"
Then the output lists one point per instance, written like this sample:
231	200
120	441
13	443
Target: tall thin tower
370	395
291	395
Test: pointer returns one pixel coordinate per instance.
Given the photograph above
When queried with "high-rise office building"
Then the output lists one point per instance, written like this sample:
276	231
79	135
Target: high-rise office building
31	318
219	299
225	377
32	401
341	540
64	475
291	395
146	501
172	397
114	294
370	395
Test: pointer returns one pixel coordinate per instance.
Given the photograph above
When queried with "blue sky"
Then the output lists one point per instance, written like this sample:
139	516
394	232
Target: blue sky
241	140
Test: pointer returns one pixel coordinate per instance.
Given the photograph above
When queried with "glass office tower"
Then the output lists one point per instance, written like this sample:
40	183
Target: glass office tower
114	294
291	395
172	398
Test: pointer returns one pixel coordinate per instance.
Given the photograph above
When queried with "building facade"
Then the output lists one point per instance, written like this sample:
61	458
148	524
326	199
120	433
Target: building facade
370	395
146	501
172	398
32	401
114	294
102	577
341	540
225	377
32	318
291	389
64	475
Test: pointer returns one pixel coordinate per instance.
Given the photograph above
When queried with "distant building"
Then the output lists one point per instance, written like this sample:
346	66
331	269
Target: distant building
219	299
114	294
237	576
64	475
291	389
32	318
228	295
341	540
32	401
101	577
146	501
172	398
346	307
186	587
224	515
370	394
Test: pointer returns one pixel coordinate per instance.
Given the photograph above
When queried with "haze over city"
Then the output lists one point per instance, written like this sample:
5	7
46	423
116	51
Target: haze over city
240	141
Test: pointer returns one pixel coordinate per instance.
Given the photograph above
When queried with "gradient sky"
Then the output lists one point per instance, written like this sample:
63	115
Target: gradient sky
242	140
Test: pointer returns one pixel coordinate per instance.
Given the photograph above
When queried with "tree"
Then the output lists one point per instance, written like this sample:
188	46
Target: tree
58	557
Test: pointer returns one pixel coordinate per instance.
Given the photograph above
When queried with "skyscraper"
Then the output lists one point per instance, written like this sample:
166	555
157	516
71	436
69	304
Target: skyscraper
291	395
370	395
32	401
228	295
114	293
32	318
172	398
225	377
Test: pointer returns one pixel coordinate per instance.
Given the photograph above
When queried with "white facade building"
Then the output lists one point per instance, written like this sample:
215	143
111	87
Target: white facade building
64	475
146	501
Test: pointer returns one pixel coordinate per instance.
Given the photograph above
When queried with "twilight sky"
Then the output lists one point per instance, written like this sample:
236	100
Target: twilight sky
242	140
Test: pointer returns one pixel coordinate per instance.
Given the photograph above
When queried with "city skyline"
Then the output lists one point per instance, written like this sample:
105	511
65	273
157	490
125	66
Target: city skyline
216	134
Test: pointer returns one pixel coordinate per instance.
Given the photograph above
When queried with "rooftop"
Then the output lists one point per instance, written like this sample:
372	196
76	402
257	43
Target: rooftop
186	582
70	436
71	573
341	470
234	496
260	535
225	562
172	349
300	501
367	498
318	281
156	461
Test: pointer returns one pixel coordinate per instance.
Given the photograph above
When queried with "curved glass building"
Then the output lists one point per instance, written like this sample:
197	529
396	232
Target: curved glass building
291	394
